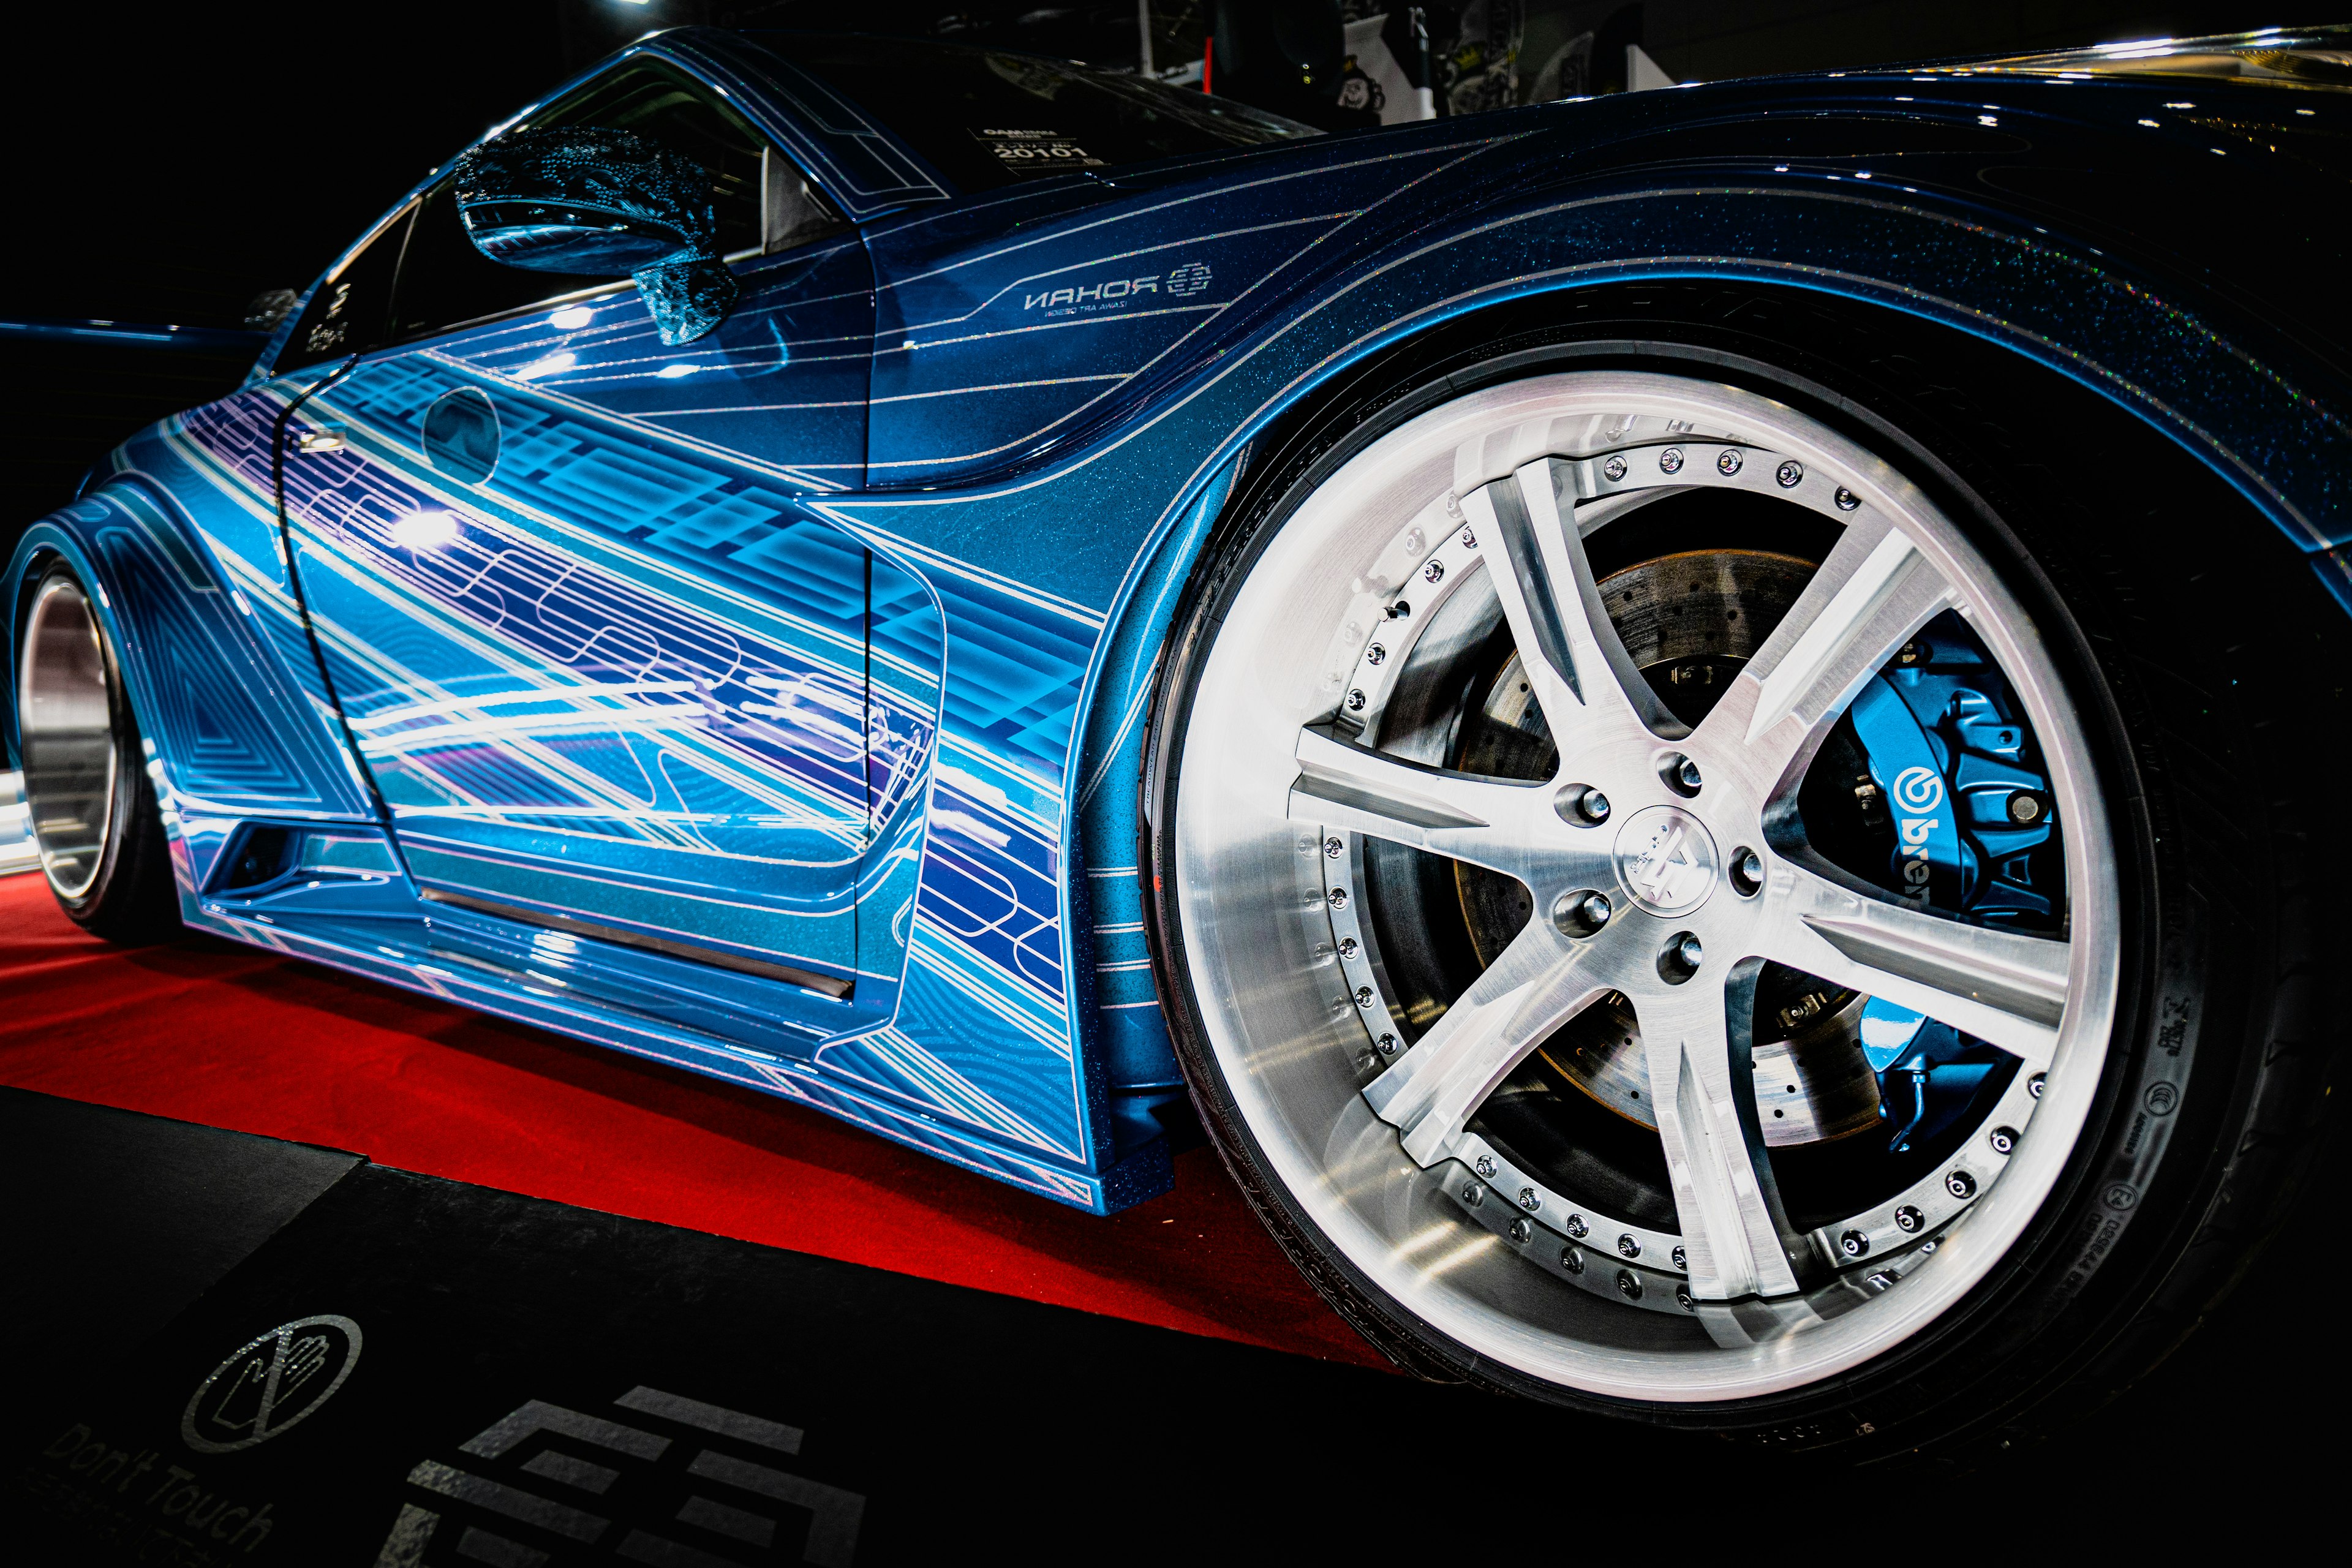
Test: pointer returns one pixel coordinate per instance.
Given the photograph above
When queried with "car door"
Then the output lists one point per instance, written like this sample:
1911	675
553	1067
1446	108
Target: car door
606	669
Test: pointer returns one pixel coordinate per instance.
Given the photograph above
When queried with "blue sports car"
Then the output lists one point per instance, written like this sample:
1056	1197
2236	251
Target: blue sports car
1694	723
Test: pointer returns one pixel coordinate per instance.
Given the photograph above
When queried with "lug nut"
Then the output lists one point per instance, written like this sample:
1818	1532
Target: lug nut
1746	872
1853	1244
1585	806
1681	958
1909	1220
1581	913
1681	774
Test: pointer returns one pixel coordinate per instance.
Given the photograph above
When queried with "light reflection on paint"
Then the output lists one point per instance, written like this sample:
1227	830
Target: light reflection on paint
423	530
572	316
547	366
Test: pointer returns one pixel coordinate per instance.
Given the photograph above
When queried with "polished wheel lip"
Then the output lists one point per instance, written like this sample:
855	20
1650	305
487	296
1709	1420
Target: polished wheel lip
1348	521
61	680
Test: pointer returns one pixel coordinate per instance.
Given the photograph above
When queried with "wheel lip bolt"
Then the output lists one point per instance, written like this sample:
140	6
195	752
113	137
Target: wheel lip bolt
1615	468
1628	1285
1334	847
1530	1199
2033	1085
1727	463
1855	1243
1577	1226
1573	1259
1962	1186
2004	1140
1746	872
1365	997
1789	474
1846	500
1386	1044
1681	1258
1522	1232
1670	461
1485	1166
1909	1220
1628	1248
1473	1194
1356	700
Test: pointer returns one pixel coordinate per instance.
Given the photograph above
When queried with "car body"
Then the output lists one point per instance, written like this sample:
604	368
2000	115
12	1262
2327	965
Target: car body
773	705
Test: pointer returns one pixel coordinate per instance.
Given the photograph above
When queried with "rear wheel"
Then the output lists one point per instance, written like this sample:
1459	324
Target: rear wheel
1659	904
94	812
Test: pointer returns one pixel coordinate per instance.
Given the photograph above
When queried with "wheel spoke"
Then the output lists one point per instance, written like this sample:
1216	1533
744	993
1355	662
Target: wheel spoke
1736	1240
1538	983
1865	602
1486	821
1577	666
2007	988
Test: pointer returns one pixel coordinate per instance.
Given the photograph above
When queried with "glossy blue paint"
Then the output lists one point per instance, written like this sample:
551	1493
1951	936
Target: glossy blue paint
774	703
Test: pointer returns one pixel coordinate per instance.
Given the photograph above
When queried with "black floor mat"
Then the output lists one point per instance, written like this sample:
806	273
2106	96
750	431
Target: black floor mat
416	1371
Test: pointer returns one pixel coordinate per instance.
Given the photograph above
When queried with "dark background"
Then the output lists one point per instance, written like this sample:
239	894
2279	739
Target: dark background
171	165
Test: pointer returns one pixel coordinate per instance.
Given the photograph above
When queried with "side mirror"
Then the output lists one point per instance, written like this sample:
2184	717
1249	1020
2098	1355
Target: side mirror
579	199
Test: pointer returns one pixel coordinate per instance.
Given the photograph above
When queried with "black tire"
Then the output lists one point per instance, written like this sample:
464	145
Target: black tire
2193	640
131	898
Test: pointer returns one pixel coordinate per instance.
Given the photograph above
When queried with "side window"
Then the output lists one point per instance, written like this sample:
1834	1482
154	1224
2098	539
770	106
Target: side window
348	312
758	196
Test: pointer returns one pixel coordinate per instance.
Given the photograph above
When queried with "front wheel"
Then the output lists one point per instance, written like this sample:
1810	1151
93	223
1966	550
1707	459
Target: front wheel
1661	906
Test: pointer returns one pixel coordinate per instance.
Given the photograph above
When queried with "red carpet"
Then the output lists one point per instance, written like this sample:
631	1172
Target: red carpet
210	1032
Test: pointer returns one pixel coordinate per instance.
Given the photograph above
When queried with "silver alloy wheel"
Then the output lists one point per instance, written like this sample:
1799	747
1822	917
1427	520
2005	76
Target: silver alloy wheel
68	732
1283	778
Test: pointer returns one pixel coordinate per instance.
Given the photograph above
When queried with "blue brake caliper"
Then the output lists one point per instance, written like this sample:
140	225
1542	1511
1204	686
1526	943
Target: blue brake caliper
1951	760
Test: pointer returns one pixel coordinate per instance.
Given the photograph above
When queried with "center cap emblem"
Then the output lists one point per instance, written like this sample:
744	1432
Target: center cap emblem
1667	859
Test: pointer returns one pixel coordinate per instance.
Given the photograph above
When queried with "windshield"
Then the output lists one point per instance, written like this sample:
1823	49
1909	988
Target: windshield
985	118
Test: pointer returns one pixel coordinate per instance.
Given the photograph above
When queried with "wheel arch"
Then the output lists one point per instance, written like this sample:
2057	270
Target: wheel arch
2196	402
